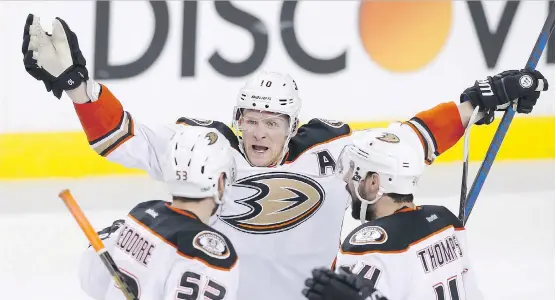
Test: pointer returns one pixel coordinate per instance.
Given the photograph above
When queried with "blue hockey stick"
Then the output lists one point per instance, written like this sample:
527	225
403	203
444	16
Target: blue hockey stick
531	64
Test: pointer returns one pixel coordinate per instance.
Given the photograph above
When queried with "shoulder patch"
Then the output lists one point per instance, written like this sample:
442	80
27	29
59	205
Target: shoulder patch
212	243
221	127
369	235
389	138
332	123
212	137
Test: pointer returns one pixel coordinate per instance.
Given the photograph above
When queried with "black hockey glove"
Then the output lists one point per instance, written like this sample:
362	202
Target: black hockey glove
55	58
327	285
496	92
106	232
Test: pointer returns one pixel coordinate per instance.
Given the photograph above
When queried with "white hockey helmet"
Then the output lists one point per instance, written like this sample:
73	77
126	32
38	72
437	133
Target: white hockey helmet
271	92
197	156
394	158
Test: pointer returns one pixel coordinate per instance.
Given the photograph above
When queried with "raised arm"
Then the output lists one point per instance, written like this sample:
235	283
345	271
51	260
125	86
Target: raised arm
113	133
441	127
56	60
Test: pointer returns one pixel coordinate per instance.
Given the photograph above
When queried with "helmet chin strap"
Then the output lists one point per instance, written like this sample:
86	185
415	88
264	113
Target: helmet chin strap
364	202
218	201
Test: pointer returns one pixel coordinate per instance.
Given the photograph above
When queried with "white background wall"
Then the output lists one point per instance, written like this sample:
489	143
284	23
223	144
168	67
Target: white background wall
324	29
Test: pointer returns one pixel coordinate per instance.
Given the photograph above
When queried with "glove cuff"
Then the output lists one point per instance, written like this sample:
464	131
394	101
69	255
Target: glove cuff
93	90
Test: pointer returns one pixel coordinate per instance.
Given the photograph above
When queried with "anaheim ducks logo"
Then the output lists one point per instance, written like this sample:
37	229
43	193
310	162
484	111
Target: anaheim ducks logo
281	202
332	123
389	138
212	137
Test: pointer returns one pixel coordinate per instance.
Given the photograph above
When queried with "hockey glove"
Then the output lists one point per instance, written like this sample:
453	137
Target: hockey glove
106	232
55	58
327	285
496	92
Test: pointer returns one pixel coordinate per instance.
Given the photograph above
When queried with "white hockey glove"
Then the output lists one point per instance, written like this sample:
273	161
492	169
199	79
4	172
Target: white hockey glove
55	58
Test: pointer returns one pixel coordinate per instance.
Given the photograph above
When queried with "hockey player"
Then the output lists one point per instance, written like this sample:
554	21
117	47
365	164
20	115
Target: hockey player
405	251
166	251
287	210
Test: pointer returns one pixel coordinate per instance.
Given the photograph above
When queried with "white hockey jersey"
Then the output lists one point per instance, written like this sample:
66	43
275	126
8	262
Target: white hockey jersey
283	220
413	254
164	253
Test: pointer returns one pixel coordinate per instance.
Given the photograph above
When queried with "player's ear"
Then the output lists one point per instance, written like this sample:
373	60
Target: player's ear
374	181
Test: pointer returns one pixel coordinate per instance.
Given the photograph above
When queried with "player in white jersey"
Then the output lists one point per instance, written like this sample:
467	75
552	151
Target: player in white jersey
166	251
287	207
403	250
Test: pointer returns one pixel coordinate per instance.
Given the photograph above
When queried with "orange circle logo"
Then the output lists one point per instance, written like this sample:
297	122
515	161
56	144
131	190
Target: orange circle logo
404	36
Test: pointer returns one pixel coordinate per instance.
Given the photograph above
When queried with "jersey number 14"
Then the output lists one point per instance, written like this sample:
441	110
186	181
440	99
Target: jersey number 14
452	288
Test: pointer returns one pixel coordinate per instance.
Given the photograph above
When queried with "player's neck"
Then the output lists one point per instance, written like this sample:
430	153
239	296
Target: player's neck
387	207
202	209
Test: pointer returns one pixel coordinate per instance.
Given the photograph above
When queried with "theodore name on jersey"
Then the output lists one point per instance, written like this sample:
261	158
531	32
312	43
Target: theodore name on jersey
135	245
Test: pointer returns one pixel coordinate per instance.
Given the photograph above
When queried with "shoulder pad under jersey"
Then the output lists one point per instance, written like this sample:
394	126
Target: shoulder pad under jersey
315	132
397	232
192	238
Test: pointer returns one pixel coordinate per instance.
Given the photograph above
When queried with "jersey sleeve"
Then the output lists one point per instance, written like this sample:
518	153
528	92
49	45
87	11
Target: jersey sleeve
94	278
113	133
438	129
207	268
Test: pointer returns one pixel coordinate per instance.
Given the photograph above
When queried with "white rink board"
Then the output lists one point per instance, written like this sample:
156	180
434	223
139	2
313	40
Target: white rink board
324	30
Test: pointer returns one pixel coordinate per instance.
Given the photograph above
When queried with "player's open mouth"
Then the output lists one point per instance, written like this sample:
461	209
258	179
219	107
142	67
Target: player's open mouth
259	149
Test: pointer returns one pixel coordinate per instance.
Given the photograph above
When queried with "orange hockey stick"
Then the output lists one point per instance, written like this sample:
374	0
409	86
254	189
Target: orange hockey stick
97	243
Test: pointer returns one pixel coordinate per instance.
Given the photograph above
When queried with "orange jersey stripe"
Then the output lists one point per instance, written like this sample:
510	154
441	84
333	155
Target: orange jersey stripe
443	123
101	117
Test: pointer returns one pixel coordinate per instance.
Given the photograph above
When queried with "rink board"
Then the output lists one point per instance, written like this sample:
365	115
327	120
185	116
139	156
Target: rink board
67	154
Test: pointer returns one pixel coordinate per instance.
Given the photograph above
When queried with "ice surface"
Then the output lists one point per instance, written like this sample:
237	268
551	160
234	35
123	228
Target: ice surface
511	231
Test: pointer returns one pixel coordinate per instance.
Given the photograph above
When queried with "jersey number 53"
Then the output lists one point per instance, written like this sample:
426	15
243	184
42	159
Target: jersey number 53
190	289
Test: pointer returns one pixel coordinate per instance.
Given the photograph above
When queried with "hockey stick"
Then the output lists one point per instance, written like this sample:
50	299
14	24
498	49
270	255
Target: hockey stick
502	129
466	136
97	243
